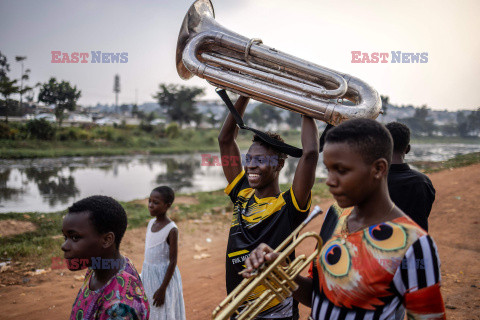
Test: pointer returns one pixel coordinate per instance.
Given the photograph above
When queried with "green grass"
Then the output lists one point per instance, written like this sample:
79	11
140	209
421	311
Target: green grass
121	143
44	243
101	141
457	162
434	140
117	141
40	245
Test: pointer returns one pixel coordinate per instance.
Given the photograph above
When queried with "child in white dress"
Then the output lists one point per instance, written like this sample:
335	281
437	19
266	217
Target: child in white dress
160	275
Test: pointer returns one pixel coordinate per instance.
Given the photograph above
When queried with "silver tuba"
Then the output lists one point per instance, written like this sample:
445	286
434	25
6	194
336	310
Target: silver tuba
247	67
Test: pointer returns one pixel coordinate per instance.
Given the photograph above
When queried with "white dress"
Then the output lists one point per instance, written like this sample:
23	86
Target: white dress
154	268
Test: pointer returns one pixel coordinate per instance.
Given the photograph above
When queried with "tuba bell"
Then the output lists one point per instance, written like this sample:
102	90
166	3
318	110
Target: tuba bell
247	67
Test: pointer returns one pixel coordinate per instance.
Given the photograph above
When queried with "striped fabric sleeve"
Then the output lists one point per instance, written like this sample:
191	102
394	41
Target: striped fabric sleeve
417	280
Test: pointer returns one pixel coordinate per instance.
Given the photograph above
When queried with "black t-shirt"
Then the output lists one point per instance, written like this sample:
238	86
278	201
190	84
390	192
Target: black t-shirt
269	220
412	192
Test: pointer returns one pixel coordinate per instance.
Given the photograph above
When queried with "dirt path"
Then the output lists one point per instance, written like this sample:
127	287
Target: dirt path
453	224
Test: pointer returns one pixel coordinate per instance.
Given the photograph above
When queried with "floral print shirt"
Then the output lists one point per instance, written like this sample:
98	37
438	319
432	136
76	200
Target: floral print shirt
122	298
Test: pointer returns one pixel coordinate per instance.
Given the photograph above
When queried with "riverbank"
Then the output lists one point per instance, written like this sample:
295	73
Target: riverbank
39	234
109	141
49	294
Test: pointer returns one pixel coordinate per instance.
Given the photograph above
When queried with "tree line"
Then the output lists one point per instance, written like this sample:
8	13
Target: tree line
179	104
61	94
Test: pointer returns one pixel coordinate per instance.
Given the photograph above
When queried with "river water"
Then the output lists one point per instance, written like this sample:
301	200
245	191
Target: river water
47	185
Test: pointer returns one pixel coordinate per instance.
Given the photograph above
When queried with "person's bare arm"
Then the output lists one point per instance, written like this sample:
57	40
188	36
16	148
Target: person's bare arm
159	296
228	146
305	290
305	173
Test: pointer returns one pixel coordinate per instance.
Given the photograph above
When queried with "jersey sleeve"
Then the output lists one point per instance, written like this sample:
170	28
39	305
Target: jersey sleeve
238	184
296	214
417	280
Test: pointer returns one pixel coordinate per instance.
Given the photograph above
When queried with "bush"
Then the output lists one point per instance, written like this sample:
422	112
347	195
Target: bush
41	129
188	135
64	134
145	126
85	135
160	131
4	131
173	130
107	133
124	139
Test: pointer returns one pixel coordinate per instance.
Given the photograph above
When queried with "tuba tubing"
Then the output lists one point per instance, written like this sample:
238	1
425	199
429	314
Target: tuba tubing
265	74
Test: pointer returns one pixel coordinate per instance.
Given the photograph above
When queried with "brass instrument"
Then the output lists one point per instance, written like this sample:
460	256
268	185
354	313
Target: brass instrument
278	281
247	67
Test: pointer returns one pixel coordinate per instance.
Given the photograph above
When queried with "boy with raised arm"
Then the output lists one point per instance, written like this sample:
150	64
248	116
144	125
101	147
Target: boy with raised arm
262	213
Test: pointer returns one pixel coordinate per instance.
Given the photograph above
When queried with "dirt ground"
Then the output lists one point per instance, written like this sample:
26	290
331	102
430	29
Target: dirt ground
453	224
11	227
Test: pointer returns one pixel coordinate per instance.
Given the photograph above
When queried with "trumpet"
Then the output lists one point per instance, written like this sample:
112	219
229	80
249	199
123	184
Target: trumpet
247	67
278	281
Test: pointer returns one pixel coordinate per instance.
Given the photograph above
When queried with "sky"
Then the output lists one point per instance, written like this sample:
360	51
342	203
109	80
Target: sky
319	31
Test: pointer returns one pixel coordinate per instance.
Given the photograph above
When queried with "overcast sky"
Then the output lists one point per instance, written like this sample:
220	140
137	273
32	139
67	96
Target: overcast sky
322	32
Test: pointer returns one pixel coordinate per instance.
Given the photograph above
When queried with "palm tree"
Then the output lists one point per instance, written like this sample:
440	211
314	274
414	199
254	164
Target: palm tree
7	88
24	76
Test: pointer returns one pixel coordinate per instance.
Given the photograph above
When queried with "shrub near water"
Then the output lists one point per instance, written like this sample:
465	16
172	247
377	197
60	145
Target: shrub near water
173	130
73	133
5	131
40	129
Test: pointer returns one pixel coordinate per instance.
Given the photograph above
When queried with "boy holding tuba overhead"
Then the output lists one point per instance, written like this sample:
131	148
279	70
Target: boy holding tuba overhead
262	213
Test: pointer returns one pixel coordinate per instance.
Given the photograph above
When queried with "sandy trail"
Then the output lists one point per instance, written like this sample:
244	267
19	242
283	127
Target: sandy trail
453	225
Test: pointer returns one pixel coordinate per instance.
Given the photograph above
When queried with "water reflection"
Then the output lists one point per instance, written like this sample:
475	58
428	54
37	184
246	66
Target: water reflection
53	184
6	192
56	185
178	174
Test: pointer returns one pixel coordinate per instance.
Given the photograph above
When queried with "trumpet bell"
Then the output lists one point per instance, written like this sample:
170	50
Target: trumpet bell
278	281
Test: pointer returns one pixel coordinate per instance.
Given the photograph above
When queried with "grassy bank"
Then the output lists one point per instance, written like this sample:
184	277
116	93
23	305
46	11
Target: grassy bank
44	243
436	140
457	162
129	140
109	141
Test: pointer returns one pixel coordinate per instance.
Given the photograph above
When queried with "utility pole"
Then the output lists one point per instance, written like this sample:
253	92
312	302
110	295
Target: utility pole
116	89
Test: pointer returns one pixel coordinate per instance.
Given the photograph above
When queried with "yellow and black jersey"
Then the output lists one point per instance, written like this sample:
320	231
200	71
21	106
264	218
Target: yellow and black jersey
269	220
